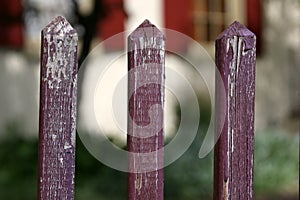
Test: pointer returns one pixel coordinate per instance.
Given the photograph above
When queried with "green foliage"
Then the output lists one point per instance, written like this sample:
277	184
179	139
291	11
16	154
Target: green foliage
276	162
18	166
189	178
95	180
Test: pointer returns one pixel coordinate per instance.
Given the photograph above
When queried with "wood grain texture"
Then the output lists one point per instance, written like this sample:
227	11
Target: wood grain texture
234	152
146	61
57	128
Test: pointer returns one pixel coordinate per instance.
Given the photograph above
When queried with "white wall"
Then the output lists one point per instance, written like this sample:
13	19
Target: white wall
139	10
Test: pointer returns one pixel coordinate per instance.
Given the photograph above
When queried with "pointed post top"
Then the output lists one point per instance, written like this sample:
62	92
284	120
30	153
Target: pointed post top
146	30
146	23
236	29
59	27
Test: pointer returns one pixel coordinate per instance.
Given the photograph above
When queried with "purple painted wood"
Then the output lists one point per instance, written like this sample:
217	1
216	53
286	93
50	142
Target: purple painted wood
234	152
57	128
146	60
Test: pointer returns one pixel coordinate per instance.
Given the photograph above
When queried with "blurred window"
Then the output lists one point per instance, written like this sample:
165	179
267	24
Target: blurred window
208	19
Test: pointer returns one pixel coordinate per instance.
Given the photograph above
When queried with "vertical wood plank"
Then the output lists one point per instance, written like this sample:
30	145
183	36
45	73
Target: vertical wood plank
234	151
57	128
146	60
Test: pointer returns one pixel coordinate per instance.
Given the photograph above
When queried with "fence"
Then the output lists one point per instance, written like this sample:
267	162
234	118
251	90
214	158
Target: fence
233	166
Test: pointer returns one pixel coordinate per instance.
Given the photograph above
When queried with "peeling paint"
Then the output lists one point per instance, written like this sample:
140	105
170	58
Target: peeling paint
58	111
236	60
146	91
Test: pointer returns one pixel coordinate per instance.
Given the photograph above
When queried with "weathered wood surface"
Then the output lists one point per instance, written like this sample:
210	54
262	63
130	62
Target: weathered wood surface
57	128
234	152
146	60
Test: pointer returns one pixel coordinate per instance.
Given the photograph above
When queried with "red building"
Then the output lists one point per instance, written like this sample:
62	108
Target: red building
202	20
11	24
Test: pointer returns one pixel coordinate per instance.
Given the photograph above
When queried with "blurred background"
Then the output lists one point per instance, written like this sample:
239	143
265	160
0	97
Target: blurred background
276	24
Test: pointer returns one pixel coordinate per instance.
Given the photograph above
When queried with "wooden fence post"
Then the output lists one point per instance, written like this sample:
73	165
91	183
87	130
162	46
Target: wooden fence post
57	128
234	152
146	60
